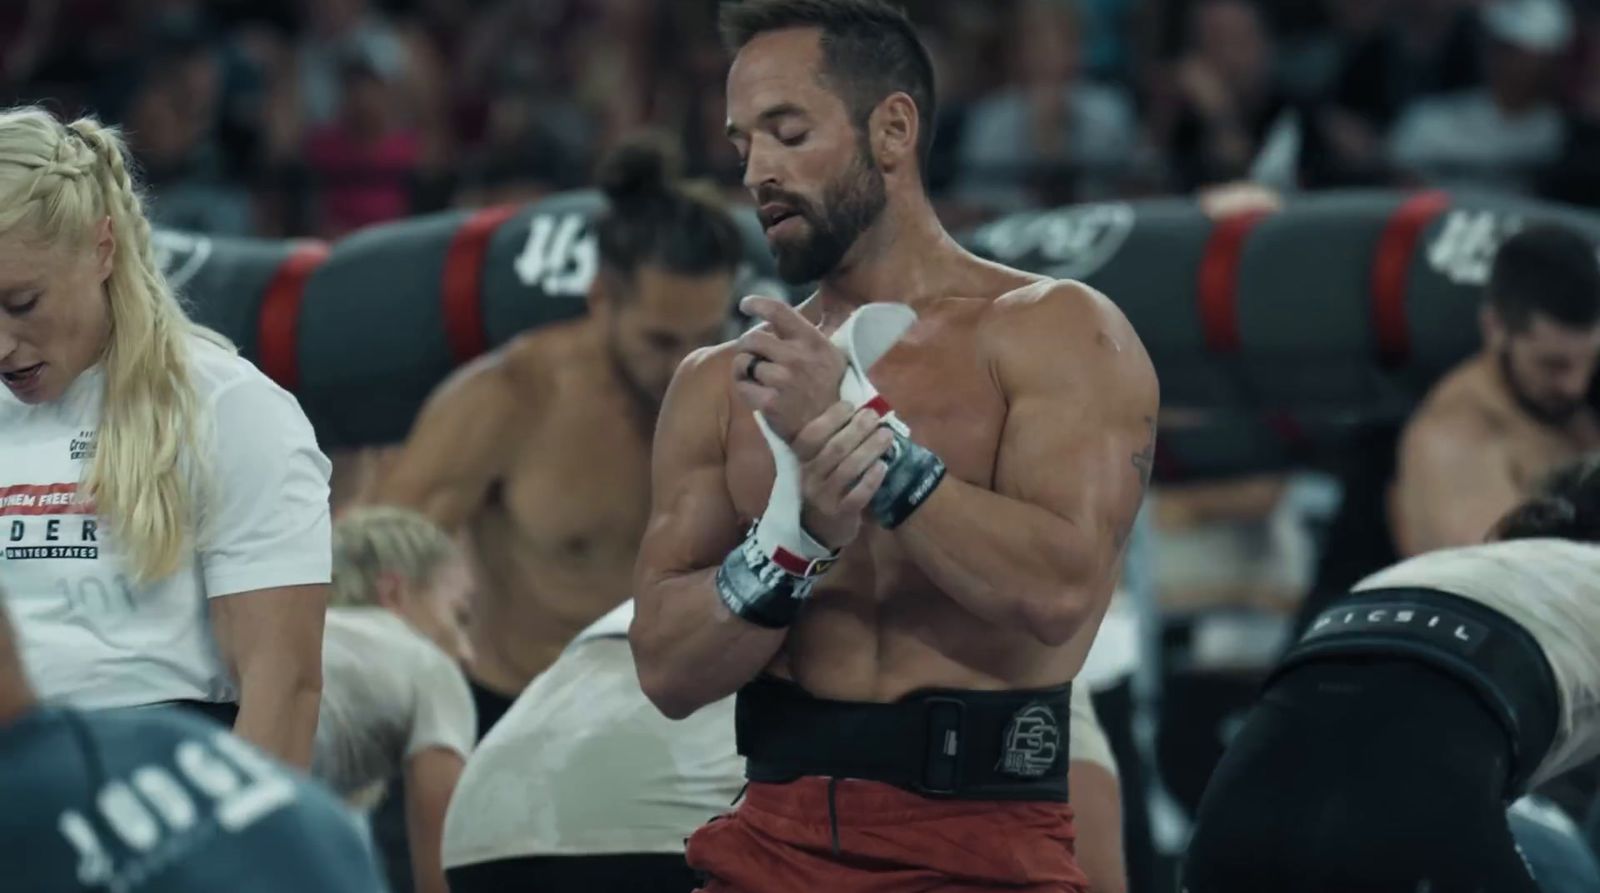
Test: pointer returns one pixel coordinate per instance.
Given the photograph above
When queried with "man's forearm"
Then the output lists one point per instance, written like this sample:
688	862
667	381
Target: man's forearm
1010	563
279	716
690	649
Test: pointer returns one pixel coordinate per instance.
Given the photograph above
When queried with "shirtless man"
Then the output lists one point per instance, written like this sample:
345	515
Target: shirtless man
1497	424
540	451
976	559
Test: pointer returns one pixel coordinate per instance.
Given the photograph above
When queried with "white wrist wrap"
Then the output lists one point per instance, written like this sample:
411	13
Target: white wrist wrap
865	337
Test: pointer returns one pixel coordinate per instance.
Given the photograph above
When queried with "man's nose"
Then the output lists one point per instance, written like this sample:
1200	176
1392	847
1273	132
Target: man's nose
759	170
8	343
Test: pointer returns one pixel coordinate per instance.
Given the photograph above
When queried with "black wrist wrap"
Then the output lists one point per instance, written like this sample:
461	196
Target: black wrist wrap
756	588
914	472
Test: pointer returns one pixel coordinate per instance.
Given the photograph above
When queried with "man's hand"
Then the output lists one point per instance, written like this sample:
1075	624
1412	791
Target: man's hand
787	370
840	471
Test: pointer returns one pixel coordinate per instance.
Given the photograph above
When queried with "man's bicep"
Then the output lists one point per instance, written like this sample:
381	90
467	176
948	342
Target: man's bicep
1078	461
693	523
1082	396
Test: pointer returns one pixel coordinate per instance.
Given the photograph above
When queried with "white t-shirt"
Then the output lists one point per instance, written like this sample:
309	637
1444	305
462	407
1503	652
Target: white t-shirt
584	764
1551	588
91	638
388	694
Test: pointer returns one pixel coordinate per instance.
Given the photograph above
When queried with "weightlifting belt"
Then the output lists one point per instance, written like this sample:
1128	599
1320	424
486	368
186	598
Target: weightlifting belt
1481	647
940	743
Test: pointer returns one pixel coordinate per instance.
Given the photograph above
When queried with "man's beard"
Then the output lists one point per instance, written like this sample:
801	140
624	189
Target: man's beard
852	202
1543	413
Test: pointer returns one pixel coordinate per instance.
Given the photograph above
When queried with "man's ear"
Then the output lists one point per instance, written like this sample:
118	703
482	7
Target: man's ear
605	292
1492	328
893	129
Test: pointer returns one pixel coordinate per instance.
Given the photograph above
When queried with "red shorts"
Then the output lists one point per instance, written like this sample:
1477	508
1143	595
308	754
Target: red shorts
888	841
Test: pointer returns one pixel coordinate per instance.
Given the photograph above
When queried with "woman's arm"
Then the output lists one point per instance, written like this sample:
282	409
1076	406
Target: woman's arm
271	642
266	556
431	777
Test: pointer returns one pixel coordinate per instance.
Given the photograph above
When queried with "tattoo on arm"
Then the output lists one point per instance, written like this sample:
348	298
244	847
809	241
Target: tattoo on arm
1144	463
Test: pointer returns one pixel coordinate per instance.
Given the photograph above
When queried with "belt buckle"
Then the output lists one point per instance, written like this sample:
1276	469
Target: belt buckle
941	772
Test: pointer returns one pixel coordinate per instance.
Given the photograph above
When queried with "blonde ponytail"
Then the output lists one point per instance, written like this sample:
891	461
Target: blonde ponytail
57	183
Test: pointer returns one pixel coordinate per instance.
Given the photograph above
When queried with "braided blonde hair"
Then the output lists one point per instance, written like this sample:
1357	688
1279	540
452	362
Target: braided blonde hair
56	184
371	541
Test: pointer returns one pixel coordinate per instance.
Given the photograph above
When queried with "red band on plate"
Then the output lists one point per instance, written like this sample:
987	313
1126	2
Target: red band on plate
1391	268
278	325
1219	280
461	290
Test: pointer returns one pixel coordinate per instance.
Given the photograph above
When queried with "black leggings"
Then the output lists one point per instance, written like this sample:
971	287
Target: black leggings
620	873
1360	776
490	704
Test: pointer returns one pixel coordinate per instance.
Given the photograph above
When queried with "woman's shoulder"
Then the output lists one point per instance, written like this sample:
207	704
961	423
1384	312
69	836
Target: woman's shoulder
217	369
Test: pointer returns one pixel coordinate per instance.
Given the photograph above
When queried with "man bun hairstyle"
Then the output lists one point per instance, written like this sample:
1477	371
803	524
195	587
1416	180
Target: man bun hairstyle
639	170
657	218
1548	270
870	50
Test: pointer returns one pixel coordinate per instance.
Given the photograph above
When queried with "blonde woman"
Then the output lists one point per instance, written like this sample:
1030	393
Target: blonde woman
165	505
394	700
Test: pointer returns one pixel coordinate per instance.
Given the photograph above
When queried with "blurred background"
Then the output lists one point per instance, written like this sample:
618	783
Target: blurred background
314	117
319	117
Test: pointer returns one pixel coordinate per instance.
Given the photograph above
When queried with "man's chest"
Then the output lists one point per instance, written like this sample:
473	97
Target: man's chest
1535	452
579	484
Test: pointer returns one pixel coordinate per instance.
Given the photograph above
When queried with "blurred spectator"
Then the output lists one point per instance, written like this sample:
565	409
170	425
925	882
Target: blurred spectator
1575	178
337	29
532	142
25	31
1227	97
1049	136
1497	135
1108	50
1399	50
364	160
172	131
63	47
957	36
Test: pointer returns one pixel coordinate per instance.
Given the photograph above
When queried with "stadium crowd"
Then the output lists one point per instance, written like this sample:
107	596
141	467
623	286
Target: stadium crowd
287	119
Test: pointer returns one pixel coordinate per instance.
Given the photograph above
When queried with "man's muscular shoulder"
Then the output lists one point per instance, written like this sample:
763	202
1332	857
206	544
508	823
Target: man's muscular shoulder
506	385
702	388
1449	426
1075	331
1462	410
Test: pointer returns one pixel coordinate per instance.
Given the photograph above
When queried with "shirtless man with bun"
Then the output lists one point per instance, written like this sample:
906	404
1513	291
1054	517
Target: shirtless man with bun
1516	410
540	451
903	635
